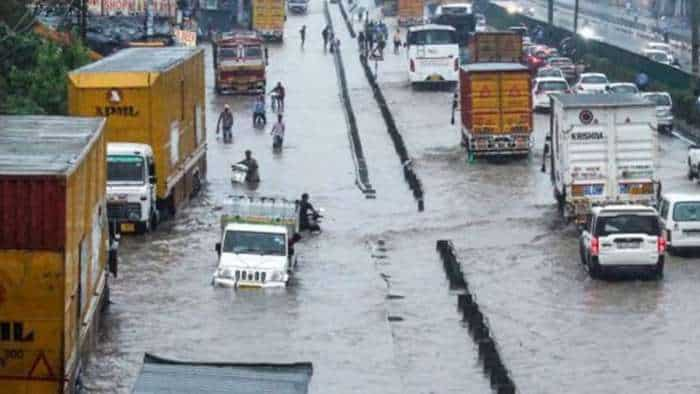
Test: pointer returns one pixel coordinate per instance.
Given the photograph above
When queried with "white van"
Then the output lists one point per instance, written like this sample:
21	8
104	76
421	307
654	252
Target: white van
680	218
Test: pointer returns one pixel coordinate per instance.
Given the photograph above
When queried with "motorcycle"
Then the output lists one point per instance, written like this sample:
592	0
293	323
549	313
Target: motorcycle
314	221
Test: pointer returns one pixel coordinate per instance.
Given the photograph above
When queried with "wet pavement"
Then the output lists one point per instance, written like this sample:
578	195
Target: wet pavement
559	331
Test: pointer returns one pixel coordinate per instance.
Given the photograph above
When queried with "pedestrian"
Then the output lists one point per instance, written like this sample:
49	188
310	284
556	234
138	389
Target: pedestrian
277	133
381	44
331	40
267	57
397	41
259	111
324	33
302	32
225	120
370	37
361	42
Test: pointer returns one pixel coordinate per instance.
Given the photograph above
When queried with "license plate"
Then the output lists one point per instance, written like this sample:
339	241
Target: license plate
628	245
127	227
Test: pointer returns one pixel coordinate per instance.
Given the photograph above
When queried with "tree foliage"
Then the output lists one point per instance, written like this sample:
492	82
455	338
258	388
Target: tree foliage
33	73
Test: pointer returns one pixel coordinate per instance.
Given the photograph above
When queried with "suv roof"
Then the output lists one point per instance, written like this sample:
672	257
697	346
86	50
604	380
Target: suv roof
618	209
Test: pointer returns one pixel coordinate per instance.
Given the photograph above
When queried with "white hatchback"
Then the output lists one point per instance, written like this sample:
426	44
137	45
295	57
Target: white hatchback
680	218
589	83
623	236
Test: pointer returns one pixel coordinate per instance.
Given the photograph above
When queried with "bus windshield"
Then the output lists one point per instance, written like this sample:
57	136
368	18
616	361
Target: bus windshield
432	37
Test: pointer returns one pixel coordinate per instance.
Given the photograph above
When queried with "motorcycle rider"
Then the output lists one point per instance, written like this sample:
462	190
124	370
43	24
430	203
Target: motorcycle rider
252	176
277	133
225	120
278	93
306	210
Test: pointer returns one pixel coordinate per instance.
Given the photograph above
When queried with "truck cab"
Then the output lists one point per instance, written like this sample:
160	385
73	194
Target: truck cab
131	187
256	248
239	62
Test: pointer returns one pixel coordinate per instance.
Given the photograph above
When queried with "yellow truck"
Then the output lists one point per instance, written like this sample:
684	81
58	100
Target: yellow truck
268	18
153	99
410	12
53	249
496	109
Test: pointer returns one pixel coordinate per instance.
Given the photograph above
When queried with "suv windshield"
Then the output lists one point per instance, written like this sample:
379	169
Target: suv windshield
659	99
549	86
124	168
687	212
431	37
624	89
594	79
627	224
250	242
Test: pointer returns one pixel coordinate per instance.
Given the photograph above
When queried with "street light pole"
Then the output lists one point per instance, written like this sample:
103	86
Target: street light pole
575	19
83	20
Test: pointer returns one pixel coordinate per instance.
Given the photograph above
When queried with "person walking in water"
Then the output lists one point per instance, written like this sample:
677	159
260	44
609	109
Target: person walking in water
225	120
325	33
397	41
302	32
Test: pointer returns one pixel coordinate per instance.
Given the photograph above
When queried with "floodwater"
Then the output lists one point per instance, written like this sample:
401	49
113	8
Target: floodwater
559	331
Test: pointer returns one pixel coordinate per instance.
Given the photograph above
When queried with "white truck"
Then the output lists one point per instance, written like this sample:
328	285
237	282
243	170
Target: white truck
604	150
131	187
257	242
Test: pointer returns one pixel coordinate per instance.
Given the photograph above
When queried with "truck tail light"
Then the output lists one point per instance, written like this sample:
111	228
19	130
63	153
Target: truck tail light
661	244
595	246
412	66
456	64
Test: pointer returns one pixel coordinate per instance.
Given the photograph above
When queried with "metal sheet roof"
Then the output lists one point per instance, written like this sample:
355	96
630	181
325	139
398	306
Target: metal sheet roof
45	145
494	67
140	60
601	100
161	376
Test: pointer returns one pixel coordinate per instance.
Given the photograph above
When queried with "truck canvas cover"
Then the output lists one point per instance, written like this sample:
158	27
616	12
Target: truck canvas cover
161	376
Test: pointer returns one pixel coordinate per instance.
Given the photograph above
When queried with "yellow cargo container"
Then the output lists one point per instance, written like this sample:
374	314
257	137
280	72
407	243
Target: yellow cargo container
151	96
268	18
53	248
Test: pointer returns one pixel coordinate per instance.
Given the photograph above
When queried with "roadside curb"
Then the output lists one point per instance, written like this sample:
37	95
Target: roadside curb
361	171
478	324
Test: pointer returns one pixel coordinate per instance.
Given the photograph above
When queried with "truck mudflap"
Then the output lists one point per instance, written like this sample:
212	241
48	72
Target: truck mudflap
497	144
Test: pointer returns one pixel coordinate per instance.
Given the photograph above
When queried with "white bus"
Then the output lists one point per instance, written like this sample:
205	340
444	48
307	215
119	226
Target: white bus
433	54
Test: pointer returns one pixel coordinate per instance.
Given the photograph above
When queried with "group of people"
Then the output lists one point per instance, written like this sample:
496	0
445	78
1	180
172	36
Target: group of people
330	41
372	40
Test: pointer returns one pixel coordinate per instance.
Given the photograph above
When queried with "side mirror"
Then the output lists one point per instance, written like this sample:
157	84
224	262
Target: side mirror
217	248
152	180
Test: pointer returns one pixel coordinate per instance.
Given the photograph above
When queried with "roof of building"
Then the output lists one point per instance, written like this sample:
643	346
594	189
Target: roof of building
45	145
140	60
161	376
601	100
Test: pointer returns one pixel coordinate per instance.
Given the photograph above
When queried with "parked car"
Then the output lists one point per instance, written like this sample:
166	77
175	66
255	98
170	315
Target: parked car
622	88
565	65
664	105
680	220
543	87
591	83
549	72
623	236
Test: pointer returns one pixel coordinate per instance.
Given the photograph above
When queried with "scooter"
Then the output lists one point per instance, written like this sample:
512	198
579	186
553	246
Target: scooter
238	173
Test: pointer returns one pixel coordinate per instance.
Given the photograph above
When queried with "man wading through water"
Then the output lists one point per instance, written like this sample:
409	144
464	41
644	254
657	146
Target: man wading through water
226	120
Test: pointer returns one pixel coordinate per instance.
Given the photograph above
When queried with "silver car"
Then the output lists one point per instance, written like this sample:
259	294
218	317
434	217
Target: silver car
623	236
664	105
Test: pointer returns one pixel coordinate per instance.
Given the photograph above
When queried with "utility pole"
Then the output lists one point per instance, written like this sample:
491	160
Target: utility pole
550	18
695	34
575	19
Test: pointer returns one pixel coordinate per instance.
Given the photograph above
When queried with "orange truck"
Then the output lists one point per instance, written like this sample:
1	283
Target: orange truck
53	247
496	109
496	46
239	64
269	17
410	12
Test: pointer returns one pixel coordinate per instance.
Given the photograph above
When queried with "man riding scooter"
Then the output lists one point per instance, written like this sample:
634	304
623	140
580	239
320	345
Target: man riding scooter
252	175
308	215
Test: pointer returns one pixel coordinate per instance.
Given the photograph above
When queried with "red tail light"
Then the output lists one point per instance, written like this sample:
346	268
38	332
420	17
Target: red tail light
595	246
456	64
661	244
412	66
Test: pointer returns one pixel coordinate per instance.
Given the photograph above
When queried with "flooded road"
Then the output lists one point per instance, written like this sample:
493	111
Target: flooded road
559	331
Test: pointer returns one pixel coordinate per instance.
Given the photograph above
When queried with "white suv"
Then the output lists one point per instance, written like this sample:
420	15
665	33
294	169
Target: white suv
623	236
